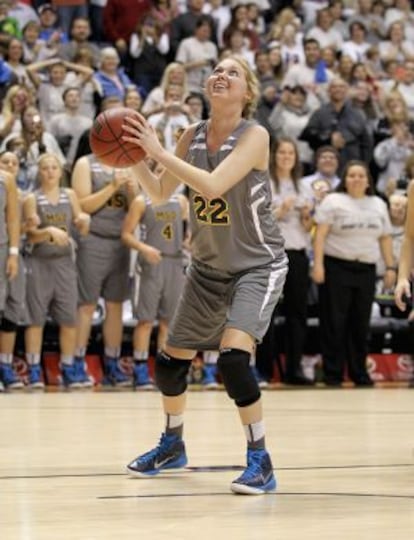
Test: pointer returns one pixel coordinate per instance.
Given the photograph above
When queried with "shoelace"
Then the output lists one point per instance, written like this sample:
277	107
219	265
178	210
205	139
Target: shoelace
148	456
254	467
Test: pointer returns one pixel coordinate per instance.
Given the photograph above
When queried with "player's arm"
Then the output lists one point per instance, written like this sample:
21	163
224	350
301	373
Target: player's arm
385	243
160	188
185	216
318	271
81	220
251	152
13	226
406	262
131	222
45	234
82	185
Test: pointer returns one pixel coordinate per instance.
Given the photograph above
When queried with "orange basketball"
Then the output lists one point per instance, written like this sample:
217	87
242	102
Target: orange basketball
106	141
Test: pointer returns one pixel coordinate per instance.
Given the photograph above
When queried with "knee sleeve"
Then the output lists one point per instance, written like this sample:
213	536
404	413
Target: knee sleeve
7	326
238	378
171	374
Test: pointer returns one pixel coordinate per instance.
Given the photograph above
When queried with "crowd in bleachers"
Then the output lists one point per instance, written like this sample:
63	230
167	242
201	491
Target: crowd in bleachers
336	87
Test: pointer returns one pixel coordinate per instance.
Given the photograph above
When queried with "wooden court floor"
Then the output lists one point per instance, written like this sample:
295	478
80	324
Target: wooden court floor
343	458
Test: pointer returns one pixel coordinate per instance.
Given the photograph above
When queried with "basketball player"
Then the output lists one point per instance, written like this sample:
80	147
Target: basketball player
103	260
403	296
238	267
9	267
51	270
159	274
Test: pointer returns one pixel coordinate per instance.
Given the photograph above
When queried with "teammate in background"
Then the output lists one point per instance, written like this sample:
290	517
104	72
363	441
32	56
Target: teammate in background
51	270
402	291
159	276
238	263
9	269
103	260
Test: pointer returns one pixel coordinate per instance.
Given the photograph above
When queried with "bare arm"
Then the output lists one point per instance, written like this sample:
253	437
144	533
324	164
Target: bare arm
13	226
387	254
318	273
32	69
406	261
81	219
251	152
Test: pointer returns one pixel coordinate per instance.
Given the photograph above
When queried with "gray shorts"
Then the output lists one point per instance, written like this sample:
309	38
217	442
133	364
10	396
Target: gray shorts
213	301
157	289
103	267
4	253
15	308
51	289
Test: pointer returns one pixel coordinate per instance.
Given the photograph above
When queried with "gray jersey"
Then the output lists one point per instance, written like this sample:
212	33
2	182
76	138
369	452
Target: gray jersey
237	231
107	221
4	237
162	227
58	215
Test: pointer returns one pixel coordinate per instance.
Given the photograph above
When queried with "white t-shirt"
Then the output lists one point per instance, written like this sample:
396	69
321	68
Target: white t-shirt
356	226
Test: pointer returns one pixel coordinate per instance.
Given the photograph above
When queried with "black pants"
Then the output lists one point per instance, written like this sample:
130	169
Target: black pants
345	301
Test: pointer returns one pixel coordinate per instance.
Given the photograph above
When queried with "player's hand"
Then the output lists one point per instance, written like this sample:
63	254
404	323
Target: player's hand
58	236
82	223
32	222
401	293
318	273
12	266
120	178
152	255
139	132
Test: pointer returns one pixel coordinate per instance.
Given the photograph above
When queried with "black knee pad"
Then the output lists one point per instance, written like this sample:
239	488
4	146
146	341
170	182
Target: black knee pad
238	378
171	374
7	326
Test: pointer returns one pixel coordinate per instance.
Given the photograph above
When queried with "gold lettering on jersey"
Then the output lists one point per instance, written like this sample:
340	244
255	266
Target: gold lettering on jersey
118	200
211	211
168	232
165	215
55	219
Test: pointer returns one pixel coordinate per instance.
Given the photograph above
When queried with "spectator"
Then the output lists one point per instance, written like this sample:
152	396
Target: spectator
358	45
352	227
373	22
80	74
183	25
291	49
22	12
16	99
312	75
174	74
198	54
345	67
341	125
132	98
50	31
293	213
120	20
51	271
67	127
14	58
34	48
237	45
96	10
70	10
289	118
240	20
80	34
112	79
394	110
324	32
324	180
397	47
9	26
148	48
391	154
221	13
406	87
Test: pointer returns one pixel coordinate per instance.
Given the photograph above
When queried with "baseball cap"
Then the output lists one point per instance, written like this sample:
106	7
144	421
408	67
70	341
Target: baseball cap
44	7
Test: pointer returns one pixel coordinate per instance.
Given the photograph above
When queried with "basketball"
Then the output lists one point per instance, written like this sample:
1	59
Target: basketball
106	141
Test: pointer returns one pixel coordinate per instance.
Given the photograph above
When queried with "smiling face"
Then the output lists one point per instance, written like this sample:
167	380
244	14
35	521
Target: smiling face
356	181
232	82
285	158
9	162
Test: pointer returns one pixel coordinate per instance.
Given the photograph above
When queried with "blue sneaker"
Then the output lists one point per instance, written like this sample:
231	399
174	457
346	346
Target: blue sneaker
35	376
70	376
141	378
114	374
9	377
80	370
209	380
258	477
169	454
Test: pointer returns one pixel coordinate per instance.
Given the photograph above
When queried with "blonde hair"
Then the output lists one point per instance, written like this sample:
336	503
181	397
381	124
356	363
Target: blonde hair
253	86
165	81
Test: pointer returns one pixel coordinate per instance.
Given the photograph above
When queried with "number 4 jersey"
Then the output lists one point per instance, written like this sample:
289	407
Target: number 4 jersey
236	231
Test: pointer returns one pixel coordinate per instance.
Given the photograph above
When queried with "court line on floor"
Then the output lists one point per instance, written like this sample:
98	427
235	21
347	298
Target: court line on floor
212	469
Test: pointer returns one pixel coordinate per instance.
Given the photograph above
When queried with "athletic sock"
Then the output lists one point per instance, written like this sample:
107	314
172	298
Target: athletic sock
255	435
6	358
174	424
33	359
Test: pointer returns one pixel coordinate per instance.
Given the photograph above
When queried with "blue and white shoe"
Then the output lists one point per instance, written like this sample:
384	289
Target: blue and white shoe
35	377
70	376
114	374
209	380
169	454
9	377
258	477
141	377
80	370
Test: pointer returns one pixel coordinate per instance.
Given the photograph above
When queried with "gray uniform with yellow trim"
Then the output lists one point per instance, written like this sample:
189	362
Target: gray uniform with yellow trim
4	244
50	268
102	260
239	264
158	287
